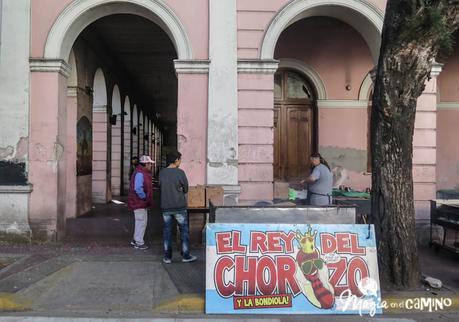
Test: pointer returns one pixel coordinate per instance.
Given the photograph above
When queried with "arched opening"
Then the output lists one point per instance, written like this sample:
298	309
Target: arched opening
131	59
328	52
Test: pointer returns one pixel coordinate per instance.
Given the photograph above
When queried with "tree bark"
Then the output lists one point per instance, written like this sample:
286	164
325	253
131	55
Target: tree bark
404	65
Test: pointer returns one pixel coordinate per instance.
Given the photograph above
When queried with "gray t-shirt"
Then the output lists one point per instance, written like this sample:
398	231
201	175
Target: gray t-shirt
322	185
174	186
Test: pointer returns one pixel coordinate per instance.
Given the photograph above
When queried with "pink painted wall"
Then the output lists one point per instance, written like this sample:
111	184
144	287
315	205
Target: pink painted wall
196	24
70	154
333	49
256	137
447	122
343	135
116	158
99	157
192	125
44	153
447	149
253	18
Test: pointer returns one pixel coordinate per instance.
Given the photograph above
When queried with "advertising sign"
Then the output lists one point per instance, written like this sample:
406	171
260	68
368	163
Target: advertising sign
291	269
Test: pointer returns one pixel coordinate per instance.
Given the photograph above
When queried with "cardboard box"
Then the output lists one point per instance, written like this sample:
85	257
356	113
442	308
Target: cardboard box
281	190
215	195
196	197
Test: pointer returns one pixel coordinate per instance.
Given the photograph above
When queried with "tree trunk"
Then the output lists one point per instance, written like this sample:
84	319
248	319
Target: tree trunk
404	65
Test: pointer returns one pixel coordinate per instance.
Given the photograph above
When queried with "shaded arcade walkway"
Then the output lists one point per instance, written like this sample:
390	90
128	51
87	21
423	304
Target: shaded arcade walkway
113	225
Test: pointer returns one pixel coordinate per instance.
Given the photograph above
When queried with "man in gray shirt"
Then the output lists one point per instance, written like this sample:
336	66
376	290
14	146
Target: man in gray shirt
174	186
320	182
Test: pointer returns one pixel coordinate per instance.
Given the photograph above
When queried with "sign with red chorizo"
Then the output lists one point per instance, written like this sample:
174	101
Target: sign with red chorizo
275	269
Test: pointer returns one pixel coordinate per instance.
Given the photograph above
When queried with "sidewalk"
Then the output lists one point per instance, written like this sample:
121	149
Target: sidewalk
120	282
95	274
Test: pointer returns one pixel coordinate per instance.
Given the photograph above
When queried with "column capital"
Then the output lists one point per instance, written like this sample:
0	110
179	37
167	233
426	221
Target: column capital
195	66
49	66
257	66
436	69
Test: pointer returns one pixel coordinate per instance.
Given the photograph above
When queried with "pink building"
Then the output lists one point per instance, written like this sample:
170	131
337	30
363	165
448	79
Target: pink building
245	89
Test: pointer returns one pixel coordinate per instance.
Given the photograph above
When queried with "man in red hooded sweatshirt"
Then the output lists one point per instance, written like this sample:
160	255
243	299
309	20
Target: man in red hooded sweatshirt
139	199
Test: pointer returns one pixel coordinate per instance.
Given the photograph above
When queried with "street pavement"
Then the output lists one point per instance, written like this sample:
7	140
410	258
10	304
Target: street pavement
93	283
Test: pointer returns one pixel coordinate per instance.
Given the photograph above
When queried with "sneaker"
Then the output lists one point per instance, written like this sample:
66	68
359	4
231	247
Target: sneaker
188	259
167	260
133	243
141	247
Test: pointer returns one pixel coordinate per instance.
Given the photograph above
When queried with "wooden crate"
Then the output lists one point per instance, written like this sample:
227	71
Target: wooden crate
196	197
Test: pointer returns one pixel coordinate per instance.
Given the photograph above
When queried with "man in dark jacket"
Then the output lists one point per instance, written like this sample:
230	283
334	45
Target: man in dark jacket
174	186
139	199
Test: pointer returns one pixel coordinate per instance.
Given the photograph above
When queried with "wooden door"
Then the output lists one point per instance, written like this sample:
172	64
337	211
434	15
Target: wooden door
294	127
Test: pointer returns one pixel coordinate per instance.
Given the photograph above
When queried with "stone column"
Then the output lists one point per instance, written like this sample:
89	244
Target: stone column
71	151
425	147
256	124
47	166
192	117
116	157
100	154
127	150
141	133
222	134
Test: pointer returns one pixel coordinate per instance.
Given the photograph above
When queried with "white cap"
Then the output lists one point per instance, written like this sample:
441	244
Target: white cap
146	159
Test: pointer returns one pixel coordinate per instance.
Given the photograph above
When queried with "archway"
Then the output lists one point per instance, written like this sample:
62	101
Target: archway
339	46
80	14
363	16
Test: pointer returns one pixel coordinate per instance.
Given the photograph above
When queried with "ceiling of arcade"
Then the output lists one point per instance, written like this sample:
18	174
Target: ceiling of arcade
143	55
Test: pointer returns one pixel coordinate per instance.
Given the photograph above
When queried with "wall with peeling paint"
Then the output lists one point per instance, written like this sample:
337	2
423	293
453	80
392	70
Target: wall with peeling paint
14	90
14	127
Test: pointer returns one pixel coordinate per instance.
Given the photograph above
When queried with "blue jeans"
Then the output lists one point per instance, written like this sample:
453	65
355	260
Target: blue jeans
182	219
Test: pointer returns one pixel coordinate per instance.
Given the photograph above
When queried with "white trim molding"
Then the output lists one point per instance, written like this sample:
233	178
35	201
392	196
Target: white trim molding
100	109
257	66
72	91
358	104
309	72
191	66
16	189
50	66
448	106
436	69
365	17
366	87
80	13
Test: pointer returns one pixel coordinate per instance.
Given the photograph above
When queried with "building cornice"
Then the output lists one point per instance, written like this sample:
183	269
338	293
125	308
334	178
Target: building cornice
257	66
342	103
185	66
50	66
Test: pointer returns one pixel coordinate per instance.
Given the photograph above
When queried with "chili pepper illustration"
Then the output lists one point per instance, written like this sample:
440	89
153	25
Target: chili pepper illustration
312	274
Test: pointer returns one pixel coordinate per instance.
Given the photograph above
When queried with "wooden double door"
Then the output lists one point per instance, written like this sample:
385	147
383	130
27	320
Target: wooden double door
295	126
